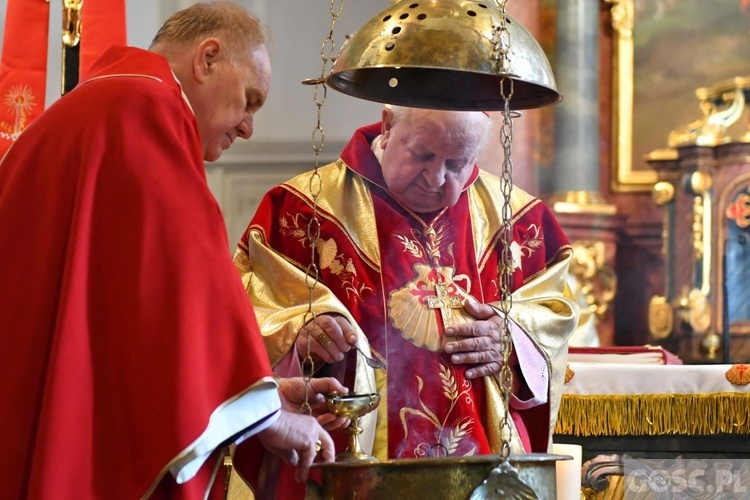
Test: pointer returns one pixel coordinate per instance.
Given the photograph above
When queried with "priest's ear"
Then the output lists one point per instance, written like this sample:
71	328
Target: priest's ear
386	122
206	56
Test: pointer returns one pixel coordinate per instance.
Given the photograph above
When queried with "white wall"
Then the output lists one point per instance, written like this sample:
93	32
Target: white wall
281	145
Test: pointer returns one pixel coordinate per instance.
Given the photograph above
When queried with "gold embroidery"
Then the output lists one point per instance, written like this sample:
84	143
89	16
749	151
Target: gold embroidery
294	229
409	312
448	435
526	248
412	247
412	307
738	374
328	256
19	101
433	237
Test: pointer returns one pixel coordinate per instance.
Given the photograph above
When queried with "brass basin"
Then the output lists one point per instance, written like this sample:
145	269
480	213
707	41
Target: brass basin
452	478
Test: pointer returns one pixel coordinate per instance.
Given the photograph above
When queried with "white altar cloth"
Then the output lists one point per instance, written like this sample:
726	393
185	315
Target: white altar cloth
619	378
603	399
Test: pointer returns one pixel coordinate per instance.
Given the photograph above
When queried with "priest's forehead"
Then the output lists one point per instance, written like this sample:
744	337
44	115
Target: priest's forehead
466	131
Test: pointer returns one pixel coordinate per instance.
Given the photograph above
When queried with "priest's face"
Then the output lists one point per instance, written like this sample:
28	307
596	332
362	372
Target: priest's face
429	155
232	94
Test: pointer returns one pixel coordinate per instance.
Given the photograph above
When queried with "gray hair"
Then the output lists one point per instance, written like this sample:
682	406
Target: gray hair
238	29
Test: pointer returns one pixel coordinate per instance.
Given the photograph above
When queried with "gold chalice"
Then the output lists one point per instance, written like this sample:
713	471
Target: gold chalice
353	406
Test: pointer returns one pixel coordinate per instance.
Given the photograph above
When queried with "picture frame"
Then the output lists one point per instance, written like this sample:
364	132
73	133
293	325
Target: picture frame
662	52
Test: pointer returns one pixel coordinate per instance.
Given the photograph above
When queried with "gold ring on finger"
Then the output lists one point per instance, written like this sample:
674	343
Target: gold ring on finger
324	339
318	445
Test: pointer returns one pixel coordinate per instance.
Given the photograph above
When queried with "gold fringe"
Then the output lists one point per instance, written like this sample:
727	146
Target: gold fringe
654	414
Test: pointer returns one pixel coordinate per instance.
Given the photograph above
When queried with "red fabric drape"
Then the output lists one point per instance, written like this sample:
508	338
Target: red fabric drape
23	68
102	25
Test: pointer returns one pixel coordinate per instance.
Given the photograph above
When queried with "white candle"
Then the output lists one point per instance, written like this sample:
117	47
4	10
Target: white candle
568	471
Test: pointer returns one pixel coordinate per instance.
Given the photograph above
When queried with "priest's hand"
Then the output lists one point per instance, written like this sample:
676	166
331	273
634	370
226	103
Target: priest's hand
479	343
298	439
330	338
292	391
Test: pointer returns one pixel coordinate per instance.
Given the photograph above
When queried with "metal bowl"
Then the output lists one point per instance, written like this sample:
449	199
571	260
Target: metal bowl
352	405
449	478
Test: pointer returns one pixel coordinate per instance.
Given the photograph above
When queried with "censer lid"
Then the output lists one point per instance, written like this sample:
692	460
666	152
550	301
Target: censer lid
441	54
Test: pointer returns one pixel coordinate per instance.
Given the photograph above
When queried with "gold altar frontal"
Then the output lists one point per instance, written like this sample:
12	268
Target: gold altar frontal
652	411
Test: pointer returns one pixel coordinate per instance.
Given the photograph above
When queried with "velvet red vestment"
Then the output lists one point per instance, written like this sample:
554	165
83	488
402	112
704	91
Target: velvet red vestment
124	323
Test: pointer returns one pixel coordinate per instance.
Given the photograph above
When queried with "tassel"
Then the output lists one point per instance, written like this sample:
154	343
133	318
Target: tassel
654	414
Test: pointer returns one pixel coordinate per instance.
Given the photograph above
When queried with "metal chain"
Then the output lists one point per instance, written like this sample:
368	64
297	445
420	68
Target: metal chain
505	266
312	278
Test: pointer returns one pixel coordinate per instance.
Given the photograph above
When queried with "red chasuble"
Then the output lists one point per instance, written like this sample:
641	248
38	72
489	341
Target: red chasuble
124	324
389	275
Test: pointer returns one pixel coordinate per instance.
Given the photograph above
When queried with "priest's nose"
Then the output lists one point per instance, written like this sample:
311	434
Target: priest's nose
435	176
245	128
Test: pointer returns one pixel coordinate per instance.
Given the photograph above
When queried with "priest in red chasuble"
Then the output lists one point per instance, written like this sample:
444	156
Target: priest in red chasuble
408	257
130	352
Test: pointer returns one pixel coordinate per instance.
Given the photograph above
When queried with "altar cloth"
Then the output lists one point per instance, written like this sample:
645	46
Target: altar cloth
605	399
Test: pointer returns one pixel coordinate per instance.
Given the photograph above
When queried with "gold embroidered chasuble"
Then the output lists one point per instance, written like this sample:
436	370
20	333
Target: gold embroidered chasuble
394	278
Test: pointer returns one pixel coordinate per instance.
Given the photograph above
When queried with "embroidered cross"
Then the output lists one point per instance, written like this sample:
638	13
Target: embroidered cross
445	302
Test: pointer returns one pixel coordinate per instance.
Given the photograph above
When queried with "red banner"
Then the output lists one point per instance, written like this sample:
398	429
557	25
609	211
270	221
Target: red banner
102	25
23	67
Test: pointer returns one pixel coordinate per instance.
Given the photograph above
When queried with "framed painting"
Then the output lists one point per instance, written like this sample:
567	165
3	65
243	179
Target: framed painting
663	50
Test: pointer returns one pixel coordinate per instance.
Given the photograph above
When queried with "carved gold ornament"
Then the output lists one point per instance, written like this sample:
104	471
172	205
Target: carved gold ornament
699	311
660	317
71	22
598	280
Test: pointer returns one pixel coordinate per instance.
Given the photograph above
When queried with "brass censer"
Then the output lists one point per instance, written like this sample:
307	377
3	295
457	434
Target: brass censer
353	406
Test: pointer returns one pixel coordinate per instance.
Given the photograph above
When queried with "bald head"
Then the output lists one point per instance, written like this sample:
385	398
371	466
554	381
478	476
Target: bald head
456	122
